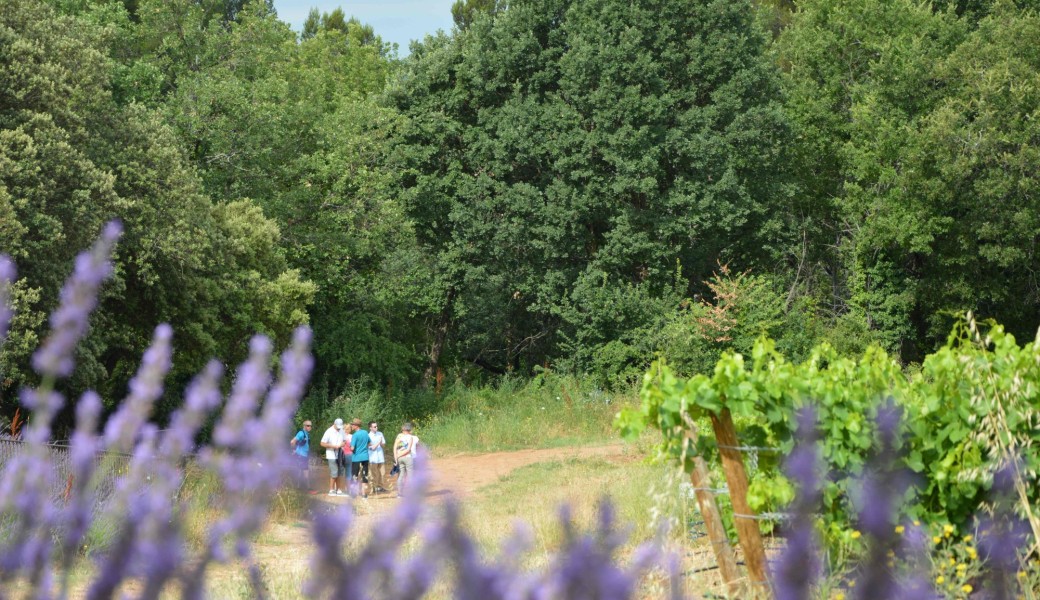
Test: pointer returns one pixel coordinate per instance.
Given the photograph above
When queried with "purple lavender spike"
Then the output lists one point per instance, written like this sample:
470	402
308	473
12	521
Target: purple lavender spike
8	273
44	405
254	471
884	484
131	508
798	566
83	454
202	396
145	388
78	299
1003	537
251	382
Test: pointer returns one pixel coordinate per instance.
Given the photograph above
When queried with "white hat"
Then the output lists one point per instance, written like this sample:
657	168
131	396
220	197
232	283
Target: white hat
338	424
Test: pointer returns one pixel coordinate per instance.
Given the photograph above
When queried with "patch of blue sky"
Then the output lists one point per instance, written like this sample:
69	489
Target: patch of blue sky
396	21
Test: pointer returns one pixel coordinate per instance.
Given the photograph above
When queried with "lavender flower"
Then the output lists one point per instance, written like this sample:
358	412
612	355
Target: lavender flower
24	487
78	299
882	488
253	471
131	509
798	567
7	276
251	382
84	446
202	396
145	388
1003	535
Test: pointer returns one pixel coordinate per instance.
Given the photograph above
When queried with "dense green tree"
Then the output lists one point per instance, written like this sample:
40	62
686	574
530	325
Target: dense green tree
291	126
915	140
354	31
73	159
566	150
464	12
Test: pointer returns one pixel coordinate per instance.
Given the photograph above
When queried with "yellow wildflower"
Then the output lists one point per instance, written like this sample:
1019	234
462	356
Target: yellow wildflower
900	529
947	530
839	596
939	580
967	589
967	539
936	539
972	554
952	562
962	567
856	534
917	523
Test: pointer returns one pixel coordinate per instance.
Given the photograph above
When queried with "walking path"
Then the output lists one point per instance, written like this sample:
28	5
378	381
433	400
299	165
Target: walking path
462	474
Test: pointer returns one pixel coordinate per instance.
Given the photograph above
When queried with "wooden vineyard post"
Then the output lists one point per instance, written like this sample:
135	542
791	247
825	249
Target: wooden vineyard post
736	479
712	519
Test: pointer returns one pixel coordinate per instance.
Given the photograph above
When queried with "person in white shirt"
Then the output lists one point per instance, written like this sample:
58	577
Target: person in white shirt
332	441
405	447
376	441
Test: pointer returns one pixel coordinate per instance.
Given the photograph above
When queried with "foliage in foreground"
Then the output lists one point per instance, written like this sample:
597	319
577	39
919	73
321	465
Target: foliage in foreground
42	531
43	526
896	555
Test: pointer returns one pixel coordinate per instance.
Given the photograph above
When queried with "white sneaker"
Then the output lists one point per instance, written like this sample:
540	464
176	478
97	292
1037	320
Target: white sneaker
340	493
332	492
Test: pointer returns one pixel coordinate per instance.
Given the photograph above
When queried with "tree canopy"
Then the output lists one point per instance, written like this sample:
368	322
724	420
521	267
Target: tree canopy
553	184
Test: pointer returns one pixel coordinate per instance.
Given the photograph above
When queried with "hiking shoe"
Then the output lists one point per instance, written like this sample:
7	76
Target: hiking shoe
340	493
332	492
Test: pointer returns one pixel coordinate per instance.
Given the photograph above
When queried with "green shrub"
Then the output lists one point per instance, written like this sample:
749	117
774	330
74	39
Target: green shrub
971	405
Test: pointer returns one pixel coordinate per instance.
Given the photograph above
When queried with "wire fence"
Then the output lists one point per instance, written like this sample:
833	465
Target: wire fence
705	561
110	467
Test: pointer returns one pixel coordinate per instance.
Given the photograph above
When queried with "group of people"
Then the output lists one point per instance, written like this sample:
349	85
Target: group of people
356	456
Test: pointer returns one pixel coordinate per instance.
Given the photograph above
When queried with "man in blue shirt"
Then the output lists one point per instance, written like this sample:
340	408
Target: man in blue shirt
359	442
301	445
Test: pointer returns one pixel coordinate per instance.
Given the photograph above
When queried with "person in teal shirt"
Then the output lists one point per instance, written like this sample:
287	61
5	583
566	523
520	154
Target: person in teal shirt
301	445
359	442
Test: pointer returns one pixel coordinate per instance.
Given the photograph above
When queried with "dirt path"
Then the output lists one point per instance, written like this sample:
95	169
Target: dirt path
286	544
460	475
463	474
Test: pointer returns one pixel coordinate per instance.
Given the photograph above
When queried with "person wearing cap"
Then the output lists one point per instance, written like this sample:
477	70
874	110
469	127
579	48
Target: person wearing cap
334	440
301	445
359	442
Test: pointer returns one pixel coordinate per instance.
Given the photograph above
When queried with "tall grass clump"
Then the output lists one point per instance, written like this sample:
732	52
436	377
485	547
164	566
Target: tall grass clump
550	410
547	411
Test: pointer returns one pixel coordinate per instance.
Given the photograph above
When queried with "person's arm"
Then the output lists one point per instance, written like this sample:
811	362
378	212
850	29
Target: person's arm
330	445
295	440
